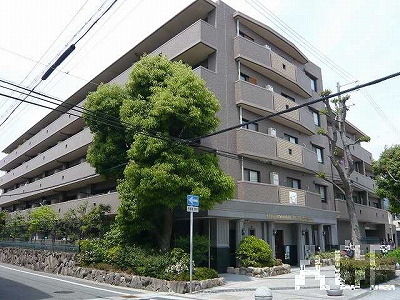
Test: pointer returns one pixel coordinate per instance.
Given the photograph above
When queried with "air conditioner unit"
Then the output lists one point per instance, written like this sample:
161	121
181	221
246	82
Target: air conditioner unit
268	47
269	87
274	178
272	131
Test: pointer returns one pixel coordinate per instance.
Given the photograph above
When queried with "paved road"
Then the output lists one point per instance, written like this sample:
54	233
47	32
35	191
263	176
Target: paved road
20	283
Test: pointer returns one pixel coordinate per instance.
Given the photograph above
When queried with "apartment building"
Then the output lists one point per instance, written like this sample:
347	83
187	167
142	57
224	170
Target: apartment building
254	71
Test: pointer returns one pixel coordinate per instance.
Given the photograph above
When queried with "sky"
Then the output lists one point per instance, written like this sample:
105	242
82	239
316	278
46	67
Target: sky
353	42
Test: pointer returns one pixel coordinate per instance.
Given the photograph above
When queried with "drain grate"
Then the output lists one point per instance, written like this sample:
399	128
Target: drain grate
129	296
63	292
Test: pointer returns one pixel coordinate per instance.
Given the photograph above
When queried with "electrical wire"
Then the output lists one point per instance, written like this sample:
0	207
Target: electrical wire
298	106
320	56
37	63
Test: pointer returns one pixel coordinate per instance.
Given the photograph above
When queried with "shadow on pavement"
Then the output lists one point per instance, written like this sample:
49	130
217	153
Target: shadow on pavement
14	290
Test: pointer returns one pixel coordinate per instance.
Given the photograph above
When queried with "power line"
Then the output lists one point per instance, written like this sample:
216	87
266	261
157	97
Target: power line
94	23
43	55
321	57
298	106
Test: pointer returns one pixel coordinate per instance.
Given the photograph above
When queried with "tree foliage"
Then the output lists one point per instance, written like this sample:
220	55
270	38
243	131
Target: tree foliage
16	226
80	223
42	220
162	104
387	172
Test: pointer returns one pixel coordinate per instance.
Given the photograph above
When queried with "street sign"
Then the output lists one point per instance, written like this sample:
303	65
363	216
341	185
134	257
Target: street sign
192	208
192	200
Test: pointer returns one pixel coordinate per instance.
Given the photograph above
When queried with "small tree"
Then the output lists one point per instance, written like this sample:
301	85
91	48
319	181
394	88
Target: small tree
42	221
16	226
336	117
387	172
96	222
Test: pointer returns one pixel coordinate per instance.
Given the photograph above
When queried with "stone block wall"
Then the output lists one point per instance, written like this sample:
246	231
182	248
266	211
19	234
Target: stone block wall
65	264
260	272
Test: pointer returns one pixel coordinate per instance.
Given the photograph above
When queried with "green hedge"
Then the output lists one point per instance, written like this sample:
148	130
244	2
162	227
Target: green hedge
141	261
384	270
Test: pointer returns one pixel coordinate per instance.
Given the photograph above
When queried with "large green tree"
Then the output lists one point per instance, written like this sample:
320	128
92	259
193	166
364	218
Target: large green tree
162	104
387	172
336	114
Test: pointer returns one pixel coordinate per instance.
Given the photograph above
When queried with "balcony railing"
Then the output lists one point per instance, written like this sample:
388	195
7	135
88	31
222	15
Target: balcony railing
256	144
364	213
192	45
56	131
272	65
268	193
264	102
70	149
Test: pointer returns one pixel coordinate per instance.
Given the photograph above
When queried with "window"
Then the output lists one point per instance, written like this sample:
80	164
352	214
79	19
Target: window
244	77
320	189
288	97
251	175
291	139
293	183
313	84
340	196
320	153
252	126
242	34
317	121
248	78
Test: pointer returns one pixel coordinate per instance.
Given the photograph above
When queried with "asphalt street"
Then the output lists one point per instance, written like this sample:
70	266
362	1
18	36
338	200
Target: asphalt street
20	283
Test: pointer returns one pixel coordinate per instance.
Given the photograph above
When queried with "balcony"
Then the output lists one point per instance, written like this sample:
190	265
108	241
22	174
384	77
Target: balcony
268	193
71	178
271	149
364	213
64	126
68	150
210	77
360	181
105	199
357	151
265	102
272	65
192	45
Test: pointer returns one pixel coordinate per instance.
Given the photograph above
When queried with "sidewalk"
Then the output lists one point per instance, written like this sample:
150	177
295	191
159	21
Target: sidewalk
283	288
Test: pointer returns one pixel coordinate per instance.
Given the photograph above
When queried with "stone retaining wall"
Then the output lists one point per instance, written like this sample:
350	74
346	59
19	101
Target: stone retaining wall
260	272
64	264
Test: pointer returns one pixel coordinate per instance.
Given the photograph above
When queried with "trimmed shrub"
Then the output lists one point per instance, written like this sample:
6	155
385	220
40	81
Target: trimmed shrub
202	273
201	246
254	252
395	254
384	271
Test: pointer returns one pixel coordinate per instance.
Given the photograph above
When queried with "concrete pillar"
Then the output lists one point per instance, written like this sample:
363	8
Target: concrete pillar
321	237
334	235
239	228
300	242
271	237
264	232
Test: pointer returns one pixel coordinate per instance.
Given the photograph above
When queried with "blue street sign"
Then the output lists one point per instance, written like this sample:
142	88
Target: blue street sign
192	200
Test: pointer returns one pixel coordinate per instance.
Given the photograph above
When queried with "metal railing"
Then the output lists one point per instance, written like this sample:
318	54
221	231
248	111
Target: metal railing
40	245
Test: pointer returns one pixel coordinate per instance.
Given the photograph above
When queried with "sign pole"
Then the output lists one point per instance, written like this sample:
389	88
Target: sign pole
191	250
192	206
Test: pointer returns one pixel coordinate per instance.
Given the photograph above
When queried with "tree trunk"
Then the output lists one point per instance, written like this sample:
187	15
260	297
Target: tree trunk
165	232
355	228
